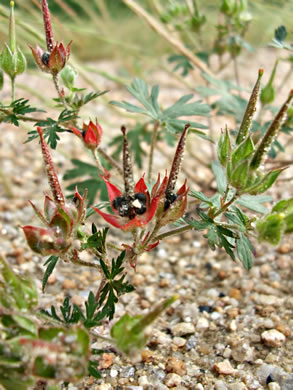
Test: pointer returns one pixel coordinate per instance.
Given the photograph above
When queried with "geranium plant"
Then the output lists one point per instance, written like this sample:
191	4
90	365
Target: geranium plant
38	344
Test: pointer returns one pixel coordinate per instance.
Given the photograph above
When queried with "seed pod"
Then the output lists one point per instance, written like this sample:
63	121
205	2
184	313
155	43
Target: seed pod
250	110
12	63
68	75
267	95
176	165
51	173
270	135
127	166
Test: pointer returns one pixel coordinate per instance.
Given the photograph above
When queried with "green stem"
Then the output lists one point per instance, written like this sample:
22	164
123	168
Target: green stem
97	160
153	144
114	246
12	89
226	205
174	232
57	87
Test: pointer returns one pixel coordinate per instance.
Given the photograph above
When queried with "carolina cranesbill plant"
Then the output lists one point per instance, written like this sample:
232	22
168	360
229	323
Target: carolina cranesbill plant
140	209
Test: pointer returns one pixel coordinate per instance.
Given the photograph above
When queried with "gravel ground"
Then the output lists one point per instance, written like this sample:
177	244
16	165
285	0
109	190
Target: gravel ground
230	329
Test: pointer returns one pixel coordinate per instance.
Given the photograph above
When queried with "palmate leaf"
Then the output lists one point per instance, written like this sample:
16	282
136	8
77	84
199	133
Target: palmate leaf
114	287
52	127
168	118
228	102
18	107
182	63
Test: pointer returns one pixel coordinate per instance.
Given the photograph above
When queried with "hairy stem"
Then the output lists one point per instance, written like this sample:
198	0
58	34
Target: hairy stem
226	205
12	89
57	87
174	232
110	160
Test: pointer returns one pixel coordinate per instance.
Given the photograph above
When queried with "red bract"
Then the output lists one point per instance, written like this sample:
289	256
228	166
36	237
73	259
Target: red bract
60	221
52	62
91	134
131	212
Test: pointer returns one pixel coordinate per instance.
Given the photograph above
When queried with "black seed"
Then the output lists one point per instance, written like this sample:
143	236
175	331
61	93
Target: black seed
121	204
170	198
45	58
222	295
141	197
141	210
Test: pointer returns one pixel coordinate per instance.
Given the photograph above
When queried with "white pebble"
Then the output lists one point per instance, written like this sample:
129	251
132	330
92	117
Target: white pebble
273	338
182	329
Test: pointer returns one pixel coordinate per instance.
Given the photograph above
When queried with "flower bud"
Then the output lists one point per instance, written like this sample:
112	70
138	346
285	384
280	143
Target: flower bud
12	63
228	7
68	76
91	134
267	95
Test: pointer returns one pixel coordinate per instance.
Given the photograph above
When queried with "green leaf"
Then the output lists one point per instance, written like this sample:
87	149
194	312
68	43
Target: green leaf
181	108
182	63
220	176
244	251
224	148
16	292
270	228
201	196
97	240
281	33
129	332
266	182
51	262
93	370
168	117
243	151
254	203
18	107
239	175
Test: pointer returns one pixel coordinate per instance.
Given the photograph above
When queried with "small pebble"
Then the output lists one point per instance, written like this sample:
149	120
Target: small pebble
179	341
172	380
273	338
274	386
224	368
69	284
176	366
237	386
183	329
220	385
106	360
202	323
